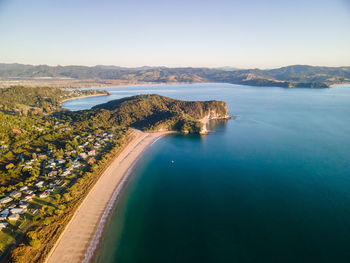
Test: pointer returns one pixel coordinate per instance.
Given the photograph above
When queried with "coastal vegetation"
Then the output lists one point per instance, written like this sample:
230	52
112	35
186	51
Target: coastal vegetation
76	76
155	112
34	100
51	157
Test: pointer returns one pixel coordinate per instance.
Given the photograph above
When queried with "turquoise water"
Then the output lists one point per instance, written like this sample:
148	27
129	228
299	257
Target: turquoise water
271	186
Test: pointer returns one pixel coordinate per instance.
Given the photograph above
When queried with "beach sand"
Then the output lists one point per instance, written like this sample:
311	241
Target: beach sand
75	240
85	96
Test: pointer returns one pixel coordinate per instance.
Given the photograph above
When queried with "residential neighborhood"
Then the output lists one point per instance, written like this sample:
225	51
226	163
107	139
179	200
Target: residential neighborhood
49	174
49	159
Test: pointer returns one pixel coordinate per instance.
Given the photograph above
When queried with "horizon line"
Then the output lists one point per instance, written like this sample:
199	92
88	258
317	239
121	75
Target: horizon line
169	67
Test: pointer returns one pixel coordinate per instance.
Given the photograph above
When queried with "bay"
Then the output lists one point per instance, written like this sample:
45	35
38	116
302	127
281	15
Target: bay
273	185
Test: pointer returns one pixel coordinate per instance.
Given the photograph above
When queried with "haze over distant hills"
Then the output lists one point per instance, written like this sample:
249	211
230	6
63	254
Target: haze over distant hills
290	76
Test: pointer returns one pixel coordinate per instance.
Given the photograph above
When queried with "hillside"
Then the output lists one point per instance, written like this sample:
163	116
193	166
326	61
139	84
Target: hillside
29	100
291	76
145	74
153	113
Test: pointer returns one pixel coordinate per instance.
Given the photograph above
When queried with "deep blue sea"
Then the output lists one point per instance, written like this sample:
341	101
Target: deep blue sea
273	185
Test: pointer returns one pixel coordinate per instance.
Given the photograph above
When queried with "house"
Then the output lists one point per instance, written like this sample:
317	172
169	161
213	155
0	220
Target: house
83	155
60	161
17	210
52	165
5	212
29	197
40	184
52	173
13	217
23	188
65	173
76	165
44	194
24	206
97	145
3	225
15	194
5	200
92	152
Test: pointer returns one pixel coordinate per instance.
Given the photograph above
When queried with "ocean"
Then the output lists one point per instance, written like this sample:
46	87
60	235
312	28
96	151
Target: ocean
272	185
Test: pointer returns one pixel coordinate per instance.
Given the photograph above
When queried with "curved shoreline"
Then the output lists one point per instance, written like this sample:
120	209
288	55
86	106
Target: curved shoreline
81	236
339	84
85	96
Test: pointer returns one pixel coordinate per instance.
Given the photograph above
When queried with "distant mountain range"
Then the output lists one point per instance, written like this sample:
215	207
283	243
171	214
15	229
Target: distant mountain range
290	76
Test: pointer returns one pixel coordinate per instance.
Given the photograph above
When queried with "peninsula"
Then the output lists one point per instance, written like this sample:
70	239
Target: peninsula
59	169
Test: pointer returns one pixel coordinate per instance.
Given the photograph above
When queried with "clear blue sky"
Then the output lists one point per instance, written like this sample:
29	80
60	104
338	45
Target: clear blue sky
246	33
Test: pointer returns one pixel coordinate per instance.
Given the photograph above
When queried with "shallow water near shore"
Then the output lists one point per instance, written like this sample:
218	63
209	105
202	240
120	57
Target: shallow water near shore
273	185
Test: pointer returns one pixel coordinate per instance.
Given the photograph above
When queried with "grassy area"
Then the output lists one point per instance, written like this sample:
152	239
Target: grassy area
6	238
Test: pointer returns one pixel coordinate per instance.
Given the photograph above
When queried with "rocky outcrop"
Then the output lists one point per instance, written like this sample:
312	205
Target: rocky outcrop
213	114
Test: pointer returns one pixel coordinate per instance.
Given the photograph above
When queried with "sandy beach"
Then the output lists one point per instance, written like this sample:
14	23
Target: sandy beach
85	96
75	240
